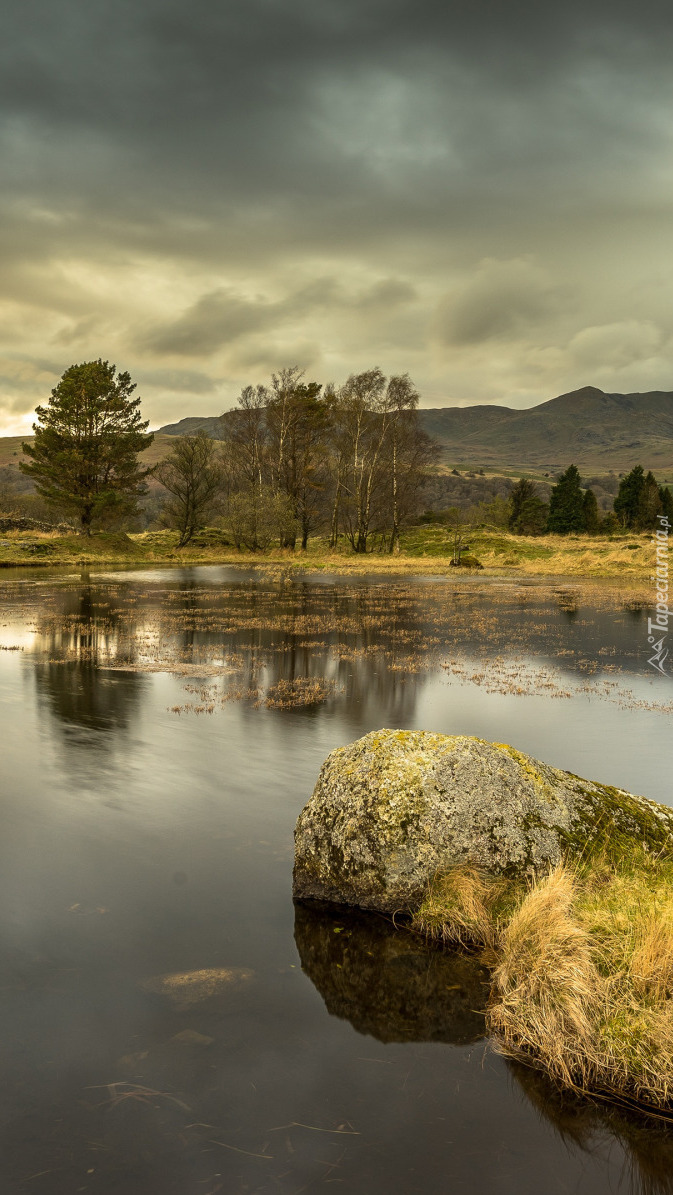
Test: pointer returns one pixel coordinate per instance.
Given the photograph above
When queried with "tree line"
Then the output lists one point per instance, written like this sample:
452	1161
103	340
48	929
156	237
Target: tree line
296	458
572	508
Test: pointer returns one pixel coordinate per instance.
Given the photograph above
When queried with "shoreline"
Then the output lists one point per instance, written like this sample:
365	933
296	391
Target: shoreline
414	570
628	560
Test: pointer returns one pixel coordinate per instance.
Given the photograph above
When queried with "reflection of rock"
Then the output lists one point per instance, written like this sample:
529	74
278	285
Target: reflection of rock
388	982
394	808
184	988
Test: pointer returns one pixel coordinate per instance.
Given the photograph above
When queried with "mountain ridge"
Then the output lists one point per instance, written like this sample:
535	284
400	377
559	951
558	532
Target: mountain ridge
590	427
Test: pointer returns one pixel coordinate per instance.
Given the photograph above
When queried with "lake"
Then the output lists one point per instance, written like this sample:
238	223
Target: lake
172	1023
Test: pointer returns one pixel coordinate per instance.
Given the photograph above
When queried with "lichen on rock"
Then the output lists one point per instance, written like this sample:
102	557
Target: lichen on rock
395	808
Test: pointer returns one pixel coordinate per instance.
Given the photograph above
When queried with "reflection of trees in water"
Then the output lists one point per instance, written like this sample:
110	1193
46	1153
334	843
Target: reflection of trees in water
373	644
358	639
89	623
356	642
362	642
78	639
393	986
78	694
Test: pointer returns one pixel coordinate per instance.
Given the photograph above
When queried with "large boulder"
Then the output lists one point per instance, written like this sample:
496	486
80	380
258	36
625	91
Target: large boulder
395	808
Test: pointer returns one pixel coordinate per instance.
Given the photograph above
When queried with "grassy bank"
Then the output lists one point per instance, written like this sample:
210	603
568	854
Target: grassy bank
582	968
424	550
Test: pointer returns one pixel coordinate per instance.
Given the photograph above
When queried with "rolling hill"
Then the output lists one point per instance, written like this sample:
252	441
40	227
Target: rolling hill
598	432
594	430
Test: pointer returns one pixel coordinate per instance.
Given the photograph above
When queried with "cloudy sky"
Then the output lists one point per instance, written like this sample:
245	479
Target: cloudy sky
477	191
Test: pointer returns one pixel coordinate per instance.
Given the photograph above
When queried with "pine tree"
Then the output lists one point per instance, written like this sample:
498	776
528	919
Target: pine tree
626	502
84	457
566	504
649	504
666	502
523	491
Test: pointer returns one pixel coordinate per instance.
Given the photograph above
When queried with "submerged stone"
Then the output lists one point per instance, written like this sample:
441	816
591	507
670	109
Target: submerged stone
184	988
191	1037
395	808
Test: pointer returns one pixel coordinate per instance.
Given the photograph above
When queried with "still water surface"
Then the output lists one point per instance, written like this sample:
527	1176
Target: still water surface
161	732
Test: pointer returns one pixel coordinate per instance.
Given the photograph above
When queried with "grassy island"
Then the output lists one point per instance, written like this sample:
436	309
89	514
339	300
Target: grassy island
582	967
563	885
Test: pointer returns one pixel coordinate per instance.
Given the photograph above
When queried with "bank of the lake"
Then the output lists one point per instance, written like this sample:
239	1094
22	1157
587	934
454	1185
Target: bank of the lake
581	964
424	549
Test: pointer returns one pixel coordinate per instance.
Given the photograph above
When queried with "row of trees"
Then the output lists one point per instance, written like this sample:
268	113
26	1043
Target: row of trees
348	461
571	508
294	458
641	500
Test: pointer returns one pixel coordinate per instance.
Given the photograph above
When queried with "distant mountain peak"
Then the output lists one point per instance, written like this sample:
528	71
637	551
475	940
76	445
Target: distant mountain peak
589	391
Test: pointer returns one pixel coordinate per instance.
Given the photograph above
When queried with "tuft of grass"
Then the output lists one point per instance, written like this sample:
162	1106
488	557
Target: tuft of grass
582	968
459	908
548	991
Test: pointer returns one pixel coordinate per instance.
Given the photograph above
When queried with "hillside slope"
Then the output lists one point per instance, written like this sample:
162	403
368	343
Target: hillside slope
598	432
595	430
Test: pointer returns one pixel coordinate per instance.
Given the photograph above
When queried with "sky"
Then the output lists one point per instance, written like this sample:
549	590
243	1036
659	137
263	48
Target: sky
477	192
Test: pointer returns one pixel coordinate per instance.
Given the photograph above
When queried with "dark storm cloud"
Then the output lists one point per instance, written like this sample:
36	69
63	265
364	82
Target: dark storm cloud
208	178
183	381
201	106
215	319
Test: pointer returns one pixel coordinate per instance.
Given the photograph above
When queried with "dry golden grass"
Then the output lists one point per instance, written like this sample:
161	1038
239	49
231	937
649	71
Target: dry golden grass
582	969
458	909
547	990
424	552
651	965
569	555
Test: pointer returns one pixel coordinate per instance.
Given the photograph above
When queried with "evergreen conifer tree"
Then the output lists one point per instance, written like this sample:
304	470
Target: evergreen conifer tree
522	492
666	502
591	515
532	518
628	498
566	504
649	504
84	457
